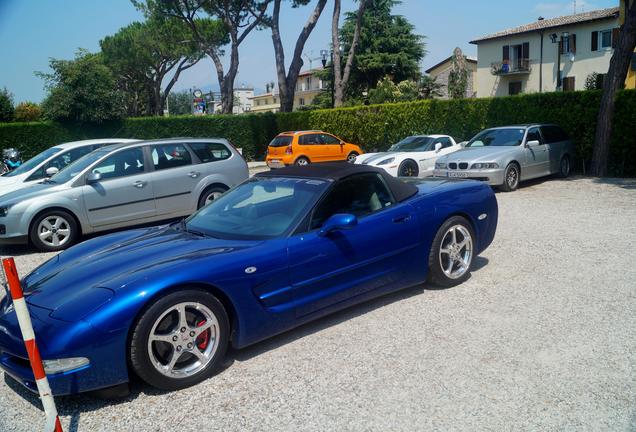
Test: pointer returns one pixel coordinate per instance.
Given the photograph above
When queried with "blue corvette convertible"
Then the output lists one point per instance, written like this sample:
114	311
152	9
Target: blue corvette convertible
281	249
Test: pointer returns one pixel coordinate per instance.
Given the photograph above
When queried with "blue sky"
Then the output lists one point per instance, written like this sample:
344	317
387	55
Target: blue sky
31	31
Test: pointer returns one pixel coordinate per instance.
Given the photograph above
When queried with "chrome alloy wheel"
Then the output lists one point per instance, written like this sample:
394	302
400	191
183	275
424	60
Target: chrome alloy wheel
512	177
211	197
183	340
352	157
302	162
456	251
54	231
565	166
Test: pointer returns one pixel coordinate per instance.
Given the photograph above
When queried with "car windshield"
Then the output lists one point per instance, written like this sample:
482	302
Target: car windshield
497	138
70	171
281	141
413	144
33	162
260	208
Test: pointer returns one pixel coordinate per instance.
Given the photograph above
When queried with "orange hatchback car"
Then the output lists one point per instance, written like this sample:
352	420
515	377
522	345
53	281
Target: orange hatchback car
305	147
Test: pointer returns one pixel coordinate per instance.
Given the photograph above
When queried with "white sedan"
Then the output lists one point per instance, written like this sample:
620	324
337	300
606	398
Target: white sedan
414	156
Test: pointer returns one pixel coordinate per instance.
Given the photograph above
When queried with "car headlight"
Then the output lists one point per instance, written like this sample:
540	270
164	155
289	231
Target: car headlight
386	161
487	165
3	211
440	165
64	365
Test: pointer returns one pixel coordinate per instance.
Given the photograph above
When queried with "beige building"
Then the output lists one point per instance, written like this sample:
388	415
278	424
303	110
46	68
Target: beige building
442	69
308	86
546	55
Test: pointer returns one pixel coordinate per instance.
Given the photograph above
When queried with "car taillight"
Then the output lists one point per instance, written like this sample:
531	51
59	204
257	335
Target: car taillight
266	151
288	150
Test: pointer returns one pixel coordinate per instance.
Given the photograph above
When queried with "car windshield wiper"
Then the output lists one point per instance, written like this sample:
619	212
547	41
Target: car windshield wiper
184	227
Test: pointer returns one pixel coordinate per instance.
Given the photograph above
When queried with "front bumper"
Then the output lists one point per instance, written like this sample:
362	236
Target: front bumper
13	229
494	177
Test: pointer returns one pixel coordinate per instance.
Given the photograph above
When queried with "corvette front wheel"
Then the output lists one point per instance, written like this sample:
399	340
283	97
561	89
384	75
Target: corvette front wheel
180	340
452	253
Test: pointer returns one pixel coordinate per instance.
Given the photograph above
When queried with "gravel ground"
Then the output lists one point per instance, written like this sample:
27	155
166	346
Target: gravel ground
542	337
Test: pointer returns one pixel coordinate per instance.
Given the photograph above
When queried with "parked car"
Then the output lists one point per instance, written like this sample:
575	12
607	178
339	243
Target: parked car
50	162
305	147
119	186
504	156
285	247
414	156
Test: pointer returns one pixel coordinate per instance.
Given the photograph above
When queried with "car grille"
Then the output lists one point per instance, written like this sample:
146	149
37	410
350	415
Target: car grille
452	165
462	165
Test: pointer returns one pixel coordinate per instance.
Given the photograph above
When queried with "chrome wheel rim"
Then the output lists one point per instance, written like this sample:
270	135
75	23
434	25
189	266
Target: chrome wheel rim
512	177
565	166
302	162
408	170
54	231
352	158
212	196
456	251
183	340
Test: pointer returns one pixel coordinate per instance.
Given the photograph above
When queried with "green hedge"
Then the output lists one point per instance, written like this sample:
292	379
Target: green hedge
374	127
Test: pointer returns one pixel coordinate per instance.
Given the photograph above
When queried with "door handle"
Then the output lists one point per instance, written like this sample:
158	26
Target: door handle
194	174
140	184
402	219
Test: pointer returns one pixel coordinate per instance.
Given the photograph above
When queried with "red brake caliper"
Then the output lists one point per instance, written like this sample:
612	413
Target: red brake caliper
204	338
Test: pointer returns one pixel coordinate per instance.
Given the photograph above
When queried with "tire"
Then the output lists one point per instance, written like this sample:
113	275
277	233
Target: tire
564	167
151	359
511	178
53	230
444	249
351	158
408	168
210	194
302	161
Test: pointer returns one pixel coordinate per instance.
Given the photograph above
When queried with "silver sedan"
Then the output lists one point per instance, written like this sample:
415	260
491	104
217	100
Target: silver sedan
119	186
504	156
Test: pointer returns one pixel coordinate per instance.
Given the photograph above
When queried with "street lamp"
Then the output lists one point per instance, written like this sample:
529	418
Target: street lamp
323	55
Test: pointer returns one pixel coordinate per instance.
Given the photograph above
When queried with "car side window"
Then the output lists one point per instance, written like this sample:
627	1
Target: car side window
61	161
122	164
445	141
360	195
534	135
210	152
328	139
166	156
309	139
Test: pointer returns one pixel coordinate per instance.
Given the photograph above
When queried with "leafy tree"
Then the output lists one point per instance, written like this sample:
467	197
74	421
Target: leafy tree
430	88
143	55
6	105
458	75
83	89
180	103
238	17
388	47
594	81
28	112
386	91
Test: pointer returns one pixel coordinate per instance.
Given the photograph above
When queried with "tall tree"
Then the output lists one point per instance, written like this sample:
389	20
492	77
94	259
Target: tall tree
180	103
83	89
145	54
388	47
240	18
287	79
612	83
458	75
6	105
341	78
430	88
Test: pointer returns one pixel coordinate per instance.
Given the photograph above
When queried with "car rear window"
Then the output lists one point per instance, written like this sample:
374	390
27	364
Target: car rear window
281	141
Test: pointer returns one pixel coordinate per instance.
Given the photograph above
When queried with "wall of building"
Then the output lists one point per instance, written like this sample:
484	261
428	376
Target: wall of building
585	61
442	71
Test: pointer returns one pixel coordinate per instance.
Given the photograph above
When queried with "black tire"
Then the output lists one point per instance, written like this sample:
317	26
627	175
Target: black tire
564	167
138	349
66	222
436	275
511	177
351	158
302	161
210	191
408	168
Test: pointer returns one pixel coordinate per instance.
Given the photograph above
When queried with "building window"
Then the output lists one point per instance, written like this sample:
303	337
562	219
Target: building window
605	38
568	44
301	102
514	87
568	84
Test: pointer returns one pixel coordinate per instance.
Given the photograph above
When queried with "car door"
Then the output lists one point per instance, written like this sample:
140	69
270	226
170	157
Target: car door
174	179
311	145
557	142
124	195
334	148
325	270
536	156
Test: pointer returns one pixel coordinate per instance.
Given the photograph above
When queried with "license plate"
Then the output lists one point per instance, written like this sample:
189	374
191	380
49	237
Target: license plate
275	163
458	174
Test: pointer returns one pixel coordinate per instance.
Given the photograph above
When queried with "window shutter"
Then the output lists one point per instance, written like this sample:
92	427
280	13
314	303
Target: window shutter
614	36
594	41
573	43
506	53
525	50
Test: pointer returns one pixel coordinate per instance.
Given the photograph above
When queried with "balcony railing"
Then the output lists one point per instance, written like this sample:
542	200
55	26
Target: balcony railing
520	66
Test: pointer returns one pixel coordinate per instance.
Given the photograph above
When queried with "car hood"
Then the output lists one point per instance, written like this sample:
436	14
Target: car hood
374	158
116	261
9	184
478	154
25	193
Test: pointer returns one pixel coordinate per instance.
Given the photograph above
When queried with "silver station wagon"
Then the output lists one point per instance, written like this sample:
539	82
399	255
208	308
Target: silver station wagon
118	186
504	156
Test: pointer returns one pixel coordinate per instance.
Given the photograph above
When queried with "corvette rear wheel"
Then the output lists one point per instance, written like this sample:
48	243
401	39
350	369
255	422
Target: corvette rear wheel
180	340
408	168
452	253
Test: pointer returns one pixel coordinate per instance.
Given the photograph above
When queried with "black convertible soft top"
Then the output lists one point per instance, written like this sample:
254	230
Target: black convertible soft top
339	170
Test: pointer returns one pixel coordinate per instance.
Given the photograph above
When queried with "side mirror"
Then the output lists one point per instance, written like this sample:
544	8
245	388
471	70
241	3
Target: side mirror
51	171
93	178
438	147
339	221
462	144
532	143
